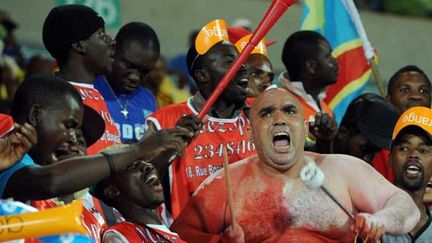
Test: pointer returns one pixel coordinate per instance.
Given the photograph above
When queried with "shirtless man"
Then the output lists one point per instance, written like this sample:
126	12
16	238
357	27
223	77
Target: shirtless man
270	201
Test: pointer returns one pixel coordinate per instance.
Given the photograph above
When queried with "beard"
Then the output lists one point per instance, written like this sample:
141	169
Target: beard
412	185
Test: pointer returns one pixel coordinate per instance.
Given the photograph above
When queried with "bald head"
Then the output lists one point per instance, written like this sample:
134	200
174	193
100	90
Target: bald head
278	129
267	97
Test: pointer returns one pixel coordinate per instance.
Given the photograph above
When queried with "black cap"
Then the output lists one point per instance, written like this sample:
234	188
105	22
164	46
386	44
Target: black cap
69	24
375	118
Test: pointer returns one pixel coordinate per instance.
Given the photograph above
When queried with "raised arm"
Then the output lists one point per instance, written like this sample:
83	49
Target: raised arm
16	144
384	207
33	183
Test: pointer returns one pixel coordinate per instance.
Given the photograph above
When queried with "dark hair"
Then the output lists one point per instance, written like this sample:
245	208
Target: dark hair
298	48
139	32
68	24
408	68
98	191
46	90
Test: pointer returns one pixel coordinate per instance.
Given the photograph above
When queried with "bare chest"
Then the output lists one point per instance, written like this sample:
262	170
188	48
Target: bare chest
278	209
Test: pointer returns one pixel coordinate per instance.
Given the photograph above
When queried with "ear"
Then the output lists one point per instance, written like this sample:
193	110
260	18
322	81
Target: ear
388	98
310	66
111	192
35	114
306	125
79	47
202	76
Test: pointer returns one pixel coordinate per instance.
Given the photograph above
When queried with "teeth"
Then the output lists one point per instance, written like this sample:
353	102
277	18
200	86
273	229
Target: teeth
281	134
412	169
151	178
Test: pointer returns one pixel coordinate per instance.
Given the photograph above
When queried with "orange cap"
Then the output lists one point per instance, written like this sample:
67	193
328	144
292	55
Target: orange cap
211	34
259	49
415	116
240	36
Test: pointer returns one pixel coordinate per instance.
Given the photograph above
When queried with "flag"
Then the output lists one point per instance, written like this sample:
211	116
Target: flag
338	21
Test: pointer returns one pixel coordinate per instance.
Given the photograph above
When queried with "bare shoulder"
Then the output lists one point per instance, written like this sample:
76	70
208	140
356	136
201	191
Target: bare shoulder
342	160
341	163
237	171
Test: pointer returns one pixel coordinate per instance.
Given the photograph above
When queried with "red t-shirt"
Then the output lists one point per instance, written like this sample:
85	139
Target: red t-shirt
381	164
126	232
91	97
204	155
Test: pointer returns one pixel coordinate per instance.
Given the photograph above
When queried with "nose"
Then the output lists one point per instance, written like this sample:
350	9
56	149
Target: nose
414	95
134	75
414	154
73	136
279	118
146	167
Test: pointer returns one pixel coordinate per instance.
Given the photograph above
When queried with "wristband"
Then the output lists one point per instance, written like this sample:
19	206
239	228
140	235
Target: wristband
110	163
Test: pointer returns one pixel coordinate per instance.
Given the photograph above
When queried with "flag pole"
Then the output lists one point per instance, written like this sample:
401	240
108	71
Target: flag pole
367	46
377	77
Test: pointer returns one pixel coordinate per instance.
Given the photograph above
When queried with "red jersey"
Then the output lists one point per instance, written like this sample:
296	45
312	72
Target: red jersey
91	97
381	164
92	214
204	155
126	232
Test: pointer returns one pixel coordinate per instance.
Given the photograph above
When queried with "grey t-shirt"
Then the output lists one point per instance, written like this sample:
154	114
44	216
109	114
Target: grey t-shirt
424	235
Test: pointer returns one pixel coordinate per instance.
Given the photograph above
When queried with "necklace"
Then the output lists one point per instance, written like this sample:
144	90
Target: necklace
123	108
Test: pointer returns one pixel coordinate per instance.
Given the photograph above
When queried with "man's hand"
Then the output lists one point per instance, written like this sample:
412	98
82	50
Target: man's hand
233	233
174	139
16	144
368	227
324	127
192	123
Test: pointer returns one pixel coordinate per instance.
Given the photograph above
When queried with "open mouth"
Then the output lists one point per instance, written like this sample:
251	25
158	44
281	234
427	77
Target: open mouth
281	141
153	180
429	186
413	169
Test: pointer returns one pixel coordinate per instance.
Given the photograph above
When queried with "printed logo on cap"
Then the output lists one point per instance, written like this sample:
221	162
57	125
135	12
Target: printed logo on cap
211	34
259	49
415	116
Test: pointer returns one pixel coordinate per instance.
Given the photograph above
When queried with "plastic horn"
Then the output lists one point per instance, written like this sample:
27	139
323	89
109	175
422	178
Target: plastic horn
275	11
313	177
53	221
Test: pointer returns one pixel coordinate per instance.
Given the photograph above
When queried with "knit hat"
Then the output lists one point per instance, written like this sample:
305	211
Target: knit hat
69	24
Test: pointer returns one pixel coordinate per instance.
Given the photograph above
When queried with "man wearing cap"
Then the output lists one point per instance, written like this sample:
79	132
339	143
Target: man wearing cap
407	88
260	69
411	160
137	50
270	202
310	69
75	36
208	60
363	131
